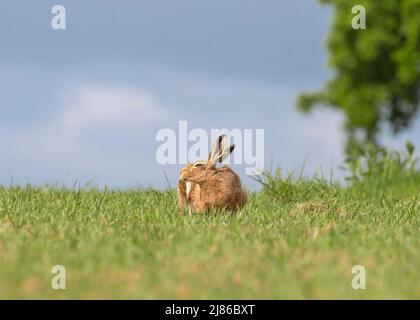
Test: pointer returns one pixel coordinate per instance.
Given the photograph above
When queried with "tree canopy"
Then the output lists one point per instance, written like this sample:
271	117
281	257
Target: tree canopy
376	81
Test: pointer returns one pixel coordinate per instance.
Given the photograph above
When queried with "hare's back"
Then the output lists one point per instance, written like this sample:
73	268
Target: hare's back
223	187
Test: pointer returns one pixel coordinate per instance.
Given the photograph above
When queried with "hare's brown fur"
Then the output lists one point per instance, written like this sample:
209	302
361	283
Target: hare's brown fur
211	188
202	186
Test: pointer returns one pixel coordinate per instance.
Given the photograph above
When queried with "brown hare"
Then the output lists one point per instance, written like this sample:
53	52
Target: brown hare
202	186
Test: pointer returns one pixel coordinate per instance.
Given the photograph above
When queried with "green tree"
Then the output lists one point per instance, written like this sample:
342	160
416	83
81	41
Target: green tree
376	78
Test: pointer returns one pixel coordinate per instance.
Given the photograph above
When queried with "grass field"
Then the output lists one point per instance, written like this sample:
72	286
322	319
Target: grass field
296	238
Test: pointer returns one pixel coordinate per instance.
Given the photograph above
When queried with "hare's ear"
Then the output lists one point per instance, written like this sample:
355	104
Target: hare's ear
226	151
220	150
216	149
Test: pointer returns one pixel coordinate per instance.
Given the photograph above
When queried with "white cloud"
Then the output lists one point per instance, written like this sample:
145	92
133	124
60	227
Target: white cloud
98	134
104	110
98	107
108	133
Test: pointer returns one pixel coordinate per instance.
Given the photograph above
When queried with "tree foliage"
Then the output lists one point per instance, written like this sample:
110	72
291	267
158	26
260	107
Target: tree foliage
376	78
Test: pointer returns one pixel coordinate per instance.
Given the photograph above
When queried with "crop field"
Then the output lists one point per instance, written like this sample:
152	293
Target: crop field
296	238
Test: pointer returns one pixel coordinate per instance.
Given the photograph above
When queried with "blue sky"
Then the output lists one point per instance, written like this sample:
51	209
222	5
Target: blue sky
84	104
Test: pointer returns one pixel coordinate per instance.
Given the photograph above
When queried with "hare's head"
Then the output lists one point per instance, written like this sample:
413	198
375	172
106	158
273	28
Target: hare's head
220	150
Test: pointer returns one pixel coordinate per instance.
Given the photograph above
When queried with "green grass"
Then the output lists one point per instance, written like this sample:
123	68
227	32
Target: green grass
295	239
